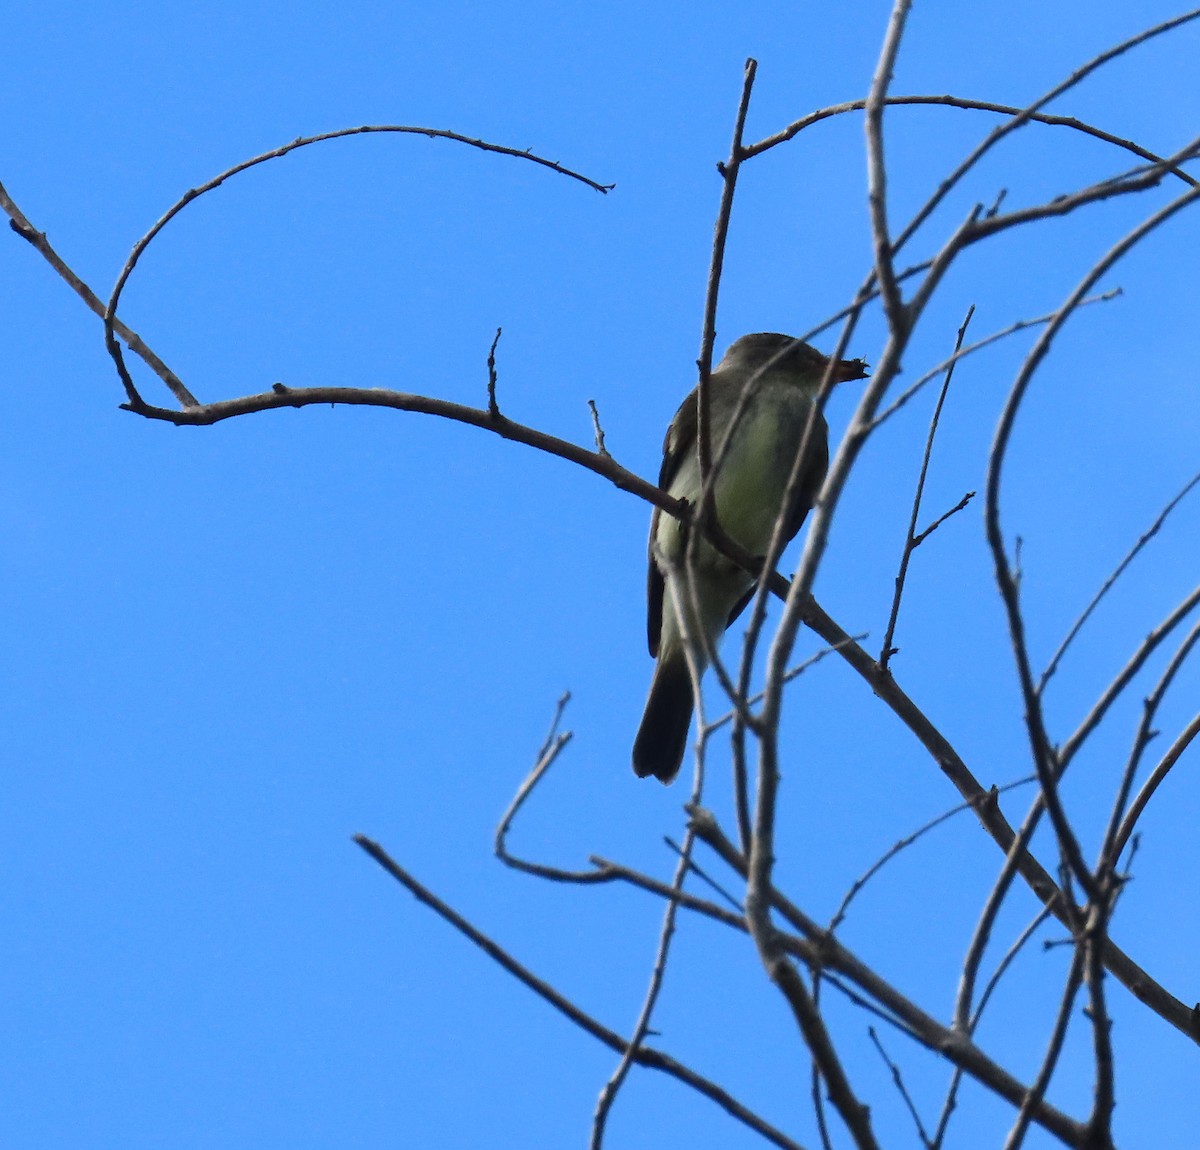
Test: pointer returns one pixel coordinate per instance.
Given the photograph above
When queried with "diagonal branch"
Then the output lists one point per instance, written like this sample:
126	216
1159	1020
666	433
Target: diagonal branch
1107	586
645	1056
21	225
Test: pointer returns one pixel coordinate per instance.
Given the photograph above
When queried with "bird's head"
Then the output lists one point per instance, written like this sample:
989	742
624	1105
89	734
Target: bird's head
771	351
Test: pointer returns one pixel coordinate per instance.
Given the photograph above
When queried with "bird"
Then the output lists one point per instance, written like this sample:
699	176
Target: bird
782	375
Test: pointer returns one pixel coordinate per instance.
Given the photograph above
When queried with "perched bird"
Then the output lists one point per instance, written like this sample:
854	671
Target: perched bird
782	376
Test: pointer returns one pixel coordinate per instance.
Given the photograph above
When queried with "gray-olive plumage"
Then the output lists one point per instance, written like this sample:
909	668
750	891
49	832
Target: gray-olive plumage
782	376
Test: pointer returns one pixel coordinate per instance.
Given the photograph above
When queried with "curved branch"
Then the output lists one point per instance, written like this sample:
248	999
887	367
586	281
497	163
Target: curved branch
1049	766
110	313
1152	783
969	105
1118	571
279	396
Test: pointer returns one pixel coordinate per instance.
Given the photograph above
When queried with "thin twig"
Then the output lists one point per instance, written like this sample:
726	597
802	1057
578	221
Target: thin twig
793	673
1012	329
598	431
1054	1049
898	316
898	1079
1118	571
1002	966
902	845
1045	759
729	174
1122	679
969	105
1110	852
703	875
493	407
612	1087
546	758
912	541
1152	783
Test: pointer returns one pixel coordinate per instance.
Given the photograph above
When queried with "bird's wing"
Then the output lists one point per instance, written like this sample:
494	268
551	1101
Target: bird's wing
680	439
815	466
655	588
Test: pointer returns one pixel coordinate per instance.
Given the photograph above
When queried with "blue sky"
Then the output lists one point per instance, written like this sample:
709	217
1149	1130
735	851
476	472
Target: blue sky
229	649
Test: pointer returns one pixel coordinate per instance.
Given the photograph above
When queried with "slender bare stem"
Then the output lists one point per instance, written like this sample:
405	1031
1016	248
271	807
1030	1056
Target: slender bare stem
898	316
1152	783
612	1087
1108	584
912	541
26	230
1016	1136
645	1056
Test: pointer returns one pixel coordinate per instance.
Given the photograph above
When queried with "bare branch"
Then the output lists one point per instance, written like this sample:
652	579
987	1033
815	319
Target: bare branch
1160	772
987	809
1021	1126
1123	677
1001	969
959	506
1139	180
729	174
192	194
828	953
898	1079
1026	114
27	231
898	316
1049	767
1096	932
547	756
1106	865
493	407
642	1027
597	430
280	396
645	1056
969	105
1118	571
912	541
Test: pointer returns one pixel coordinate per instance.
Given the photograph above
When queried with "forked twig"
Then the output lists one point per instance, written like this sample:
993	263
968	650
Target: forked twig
898	1080
547	756
913	540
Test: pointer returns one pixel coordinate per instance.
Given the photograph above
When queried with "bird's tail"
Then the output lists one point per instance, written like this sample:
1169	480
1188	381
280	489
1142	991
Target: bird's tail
662	738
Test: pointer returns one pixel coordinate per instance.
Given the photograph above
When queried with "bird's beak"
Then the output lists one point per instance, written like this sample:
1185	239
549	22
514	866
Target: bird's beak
846	369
